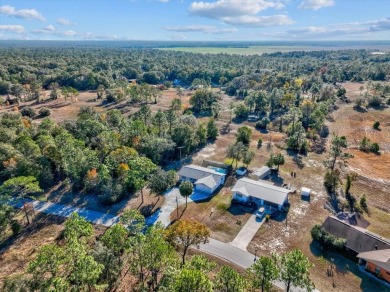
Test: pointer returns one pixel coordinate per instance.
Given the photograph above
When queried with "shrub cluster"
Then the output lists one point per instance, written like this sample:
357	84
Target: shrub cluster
325	238
366	146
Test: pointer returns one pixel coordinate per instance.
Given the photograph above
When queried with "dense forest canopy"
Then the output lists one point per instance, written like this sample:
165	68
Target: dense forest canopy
87	68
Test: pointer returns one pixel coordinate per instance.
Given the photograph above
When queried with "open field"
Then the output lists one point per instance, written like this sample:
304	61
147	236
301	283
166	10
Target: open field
250	50
67	110
264	49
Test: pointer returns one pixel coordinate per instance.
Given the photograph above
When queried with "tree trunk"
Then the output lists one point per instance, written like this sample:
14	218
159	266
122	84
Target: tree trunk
186	202
184	256
288	286
142	196
25	212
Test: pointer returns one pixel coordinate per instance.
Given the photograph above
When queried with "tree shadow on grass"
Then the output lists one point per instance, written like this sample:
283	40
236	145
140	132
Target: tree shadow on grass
237	209
344	264
38	222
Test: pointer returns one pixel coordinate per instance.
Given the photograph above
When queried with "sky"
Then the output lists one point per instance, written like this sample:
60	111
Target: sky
206	20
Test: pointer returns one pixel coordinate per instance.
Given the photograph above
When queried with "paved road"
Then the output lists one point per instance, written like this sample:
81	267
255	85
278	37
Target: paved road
66	210
247	232
214	247
236	256
164	213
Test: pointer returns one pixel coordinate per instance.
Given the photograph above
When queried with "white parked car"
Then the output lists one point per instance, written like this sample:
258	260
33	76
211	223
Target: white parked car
260	213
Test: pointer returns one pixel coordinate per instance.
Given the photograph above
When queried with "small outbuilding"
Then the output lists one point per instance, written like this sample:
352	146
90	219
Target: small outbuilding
261	173
305	193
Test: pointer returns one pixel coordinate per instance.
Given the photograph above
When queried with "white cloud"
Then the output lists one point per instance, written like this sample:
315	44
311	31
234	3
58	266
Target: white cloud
69	33
12	28
190	28
49	28
224	31
201	28
259	21
316	4
240	12
336	31
229	8
22	13
64	21
163	1
92	36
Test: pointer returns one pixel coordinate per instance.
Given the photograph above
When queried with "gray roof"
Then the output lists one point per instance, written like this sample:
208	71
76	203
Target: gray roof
358	239
261	190
209	181
263	170
379	257
198	172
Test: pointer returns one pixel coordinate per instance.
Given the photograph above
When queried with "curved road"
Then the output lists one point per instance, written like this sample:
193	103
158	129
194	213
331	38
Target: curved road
214	247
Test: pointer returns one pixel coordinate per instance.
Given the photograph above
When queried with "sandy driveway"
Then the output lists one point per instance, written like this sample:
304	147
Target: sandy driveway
244	237
164	213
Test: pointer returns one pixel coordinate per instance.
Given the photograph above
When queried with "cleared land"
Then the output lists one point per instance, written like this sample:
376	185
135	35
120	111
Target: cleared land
258	50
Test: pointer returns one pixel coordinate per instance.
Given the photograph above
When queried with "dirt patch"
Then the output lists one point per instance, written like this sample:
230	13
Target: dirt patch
59	194
68	109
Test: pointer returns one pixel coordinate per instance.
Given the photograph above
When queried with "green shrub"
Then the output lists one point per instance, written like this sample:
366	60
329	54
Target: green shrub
363	203
16	227
374	148
376	125
44	112
259	143
28	111
325	238
262	124
375	101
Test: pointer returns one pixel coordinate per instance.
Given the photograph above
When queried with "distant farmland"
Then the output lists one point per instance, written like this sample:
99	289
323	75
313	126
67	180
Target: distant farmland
251	50
258	50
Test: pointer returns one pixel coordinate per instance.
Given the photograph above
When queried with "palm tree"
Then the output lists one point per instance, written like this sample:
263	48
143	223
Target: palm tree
186	188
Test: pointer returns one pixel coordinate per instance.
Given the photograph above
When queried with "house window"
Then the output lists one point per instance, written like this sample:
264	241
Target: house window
377	270
238	195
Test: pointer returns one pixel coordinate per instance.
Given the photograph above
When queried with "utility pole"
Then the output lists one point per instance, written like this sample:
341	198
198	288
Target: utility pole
180	147
177	208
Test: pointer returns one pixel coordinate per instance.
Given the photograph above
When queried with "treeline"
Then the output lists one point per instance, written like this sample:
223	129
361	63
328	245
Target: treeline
105	153
128	258
87	68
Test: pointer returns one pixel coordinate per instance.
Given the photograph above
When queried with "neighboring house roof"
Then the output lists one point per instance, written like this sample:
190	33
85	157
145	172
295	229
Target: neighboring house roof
358	239
209	181
354	219
380	258
206	176
261	190
262	171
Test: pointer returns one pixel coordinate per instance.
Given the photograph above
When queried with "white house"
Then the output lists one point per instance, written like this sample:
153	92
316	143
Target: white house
262	193
206	180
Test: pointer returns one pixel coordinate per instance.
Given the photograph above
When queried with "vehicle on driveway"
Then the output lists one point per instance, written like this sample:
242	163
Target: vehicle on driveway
260	213
241	171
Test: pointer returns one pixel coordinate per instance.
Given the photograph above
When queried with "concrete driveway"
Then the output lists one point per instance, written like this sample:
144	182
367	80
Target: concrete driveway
164	213
244	237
